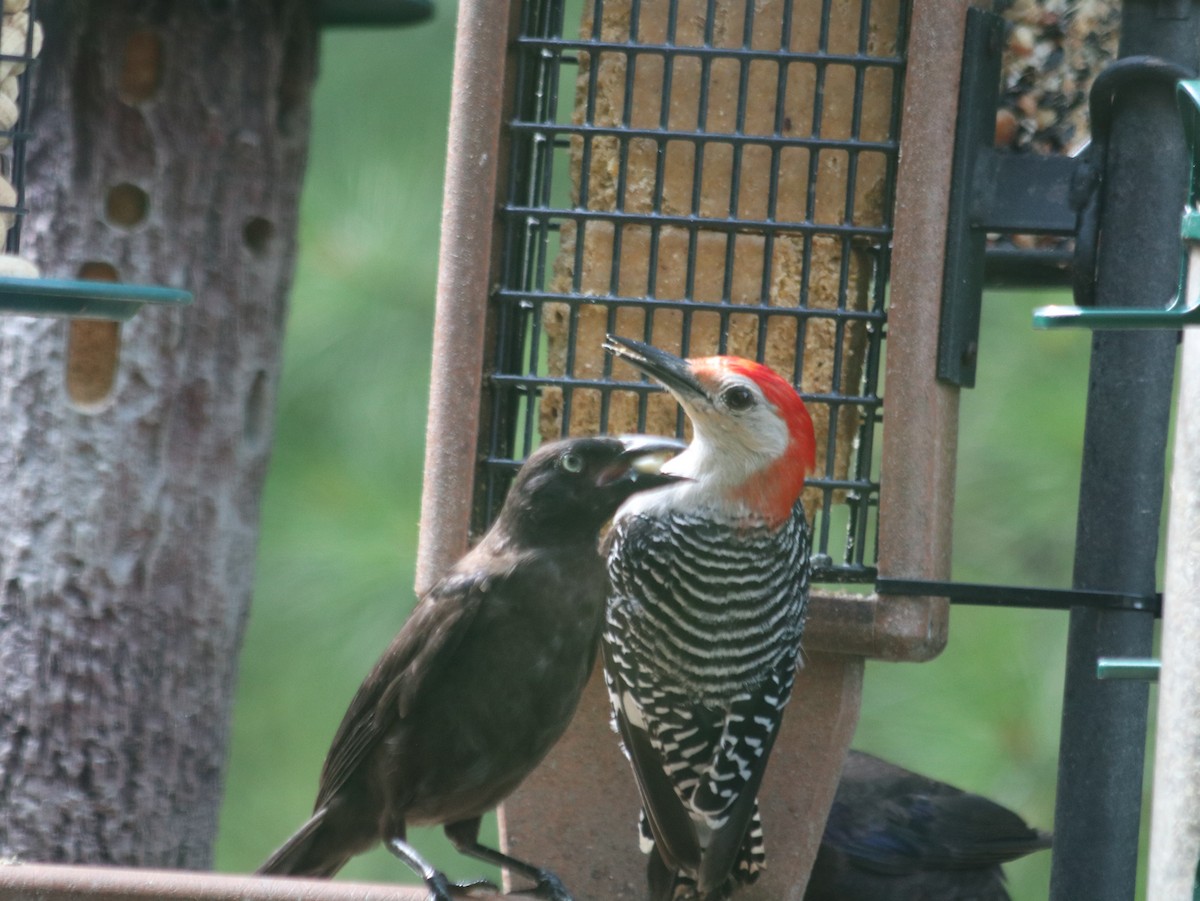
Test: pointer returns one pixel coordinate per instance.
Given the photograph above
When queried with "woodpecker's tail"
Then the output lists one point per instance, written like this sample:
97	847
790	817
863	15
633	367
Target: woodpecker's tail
305	853
667	884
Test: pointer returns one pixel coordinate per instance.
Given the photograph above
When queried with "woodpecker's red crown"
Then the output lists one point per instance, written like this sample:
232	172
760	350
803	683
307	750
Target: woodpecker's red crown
776	488
781	394
753	442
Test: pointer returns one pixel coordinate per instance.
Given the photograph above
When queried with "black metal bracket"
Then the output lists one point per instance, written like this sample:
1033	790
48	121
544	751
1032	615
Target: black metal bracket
1020	596
992	191
383	13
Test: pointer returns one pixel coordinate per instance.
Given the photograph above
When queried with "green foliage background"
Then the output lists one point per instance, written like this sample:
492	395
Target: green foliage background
341	510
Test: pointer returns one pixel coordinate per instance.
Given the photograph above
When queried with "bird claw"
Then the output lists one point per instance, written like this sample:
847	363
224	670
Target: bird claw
442	889
477	888
549	888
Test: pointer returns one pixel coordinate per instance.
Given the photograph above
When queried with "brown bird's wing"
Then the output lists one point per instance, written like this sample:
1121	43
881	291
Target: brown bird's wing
417	655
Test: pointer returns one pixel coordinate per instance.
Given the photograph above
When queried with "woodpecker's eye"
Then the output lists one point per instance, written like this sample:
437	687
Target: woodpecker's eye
571	462
738	398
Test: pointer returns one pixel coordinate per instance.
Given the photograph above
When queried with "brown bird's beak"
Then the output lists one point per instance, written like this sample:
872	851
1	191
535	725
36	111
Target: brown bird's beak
674	373
641	462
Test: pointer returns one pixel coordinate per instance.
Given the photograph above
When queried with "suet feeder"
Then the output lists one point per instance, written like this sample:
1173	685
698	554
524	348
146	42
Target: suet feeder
22	289
789	180
711	177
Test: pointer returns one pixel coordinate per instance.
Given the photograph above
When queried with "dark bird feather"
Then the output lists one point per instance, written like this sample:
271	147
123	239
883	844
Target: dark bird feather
894	835
483	677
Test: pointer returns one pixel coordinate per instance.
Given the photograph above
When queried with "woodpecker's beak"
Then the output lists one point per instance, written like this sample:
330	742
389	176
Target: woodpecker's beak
674	373
641	462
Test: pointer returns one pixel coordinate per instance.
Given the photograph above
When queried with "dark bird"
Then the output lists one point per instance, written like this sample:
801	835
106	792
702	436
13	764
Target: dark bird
484	676
893	835
710	584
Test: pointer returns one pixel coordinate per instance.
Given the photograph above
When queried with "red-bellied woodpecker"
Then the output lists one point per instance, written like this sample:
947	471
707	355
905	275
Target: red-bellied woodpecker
710	583
483	678
894	835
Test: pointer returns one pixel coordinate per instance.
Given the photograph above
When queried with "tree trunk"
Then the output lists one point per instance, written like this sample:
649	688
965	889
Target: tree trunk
169	148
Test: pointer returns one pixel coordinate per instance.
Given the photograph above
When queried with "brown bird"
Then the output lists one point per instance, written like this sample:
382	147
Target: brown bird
485	675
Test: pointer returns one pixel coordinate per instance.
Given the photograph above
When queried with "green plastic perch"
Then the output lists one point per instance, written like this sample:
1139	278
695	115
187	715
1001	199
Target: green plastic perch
80	298
1184	307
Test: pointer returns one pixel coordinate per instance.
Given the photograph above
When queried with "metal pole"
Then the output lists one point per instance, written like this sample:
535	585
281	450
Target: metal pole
1121	488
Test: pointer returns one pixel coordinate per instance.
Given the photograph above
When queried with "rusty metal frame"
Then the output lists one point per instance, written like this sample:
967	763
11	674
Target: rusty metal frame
582	797
920	443
478	109
916	503
54	882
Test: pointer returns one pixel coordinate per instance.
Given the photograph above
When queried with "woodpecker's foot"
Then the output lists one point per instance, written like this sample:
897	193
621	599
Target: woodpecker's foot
549	887
442	889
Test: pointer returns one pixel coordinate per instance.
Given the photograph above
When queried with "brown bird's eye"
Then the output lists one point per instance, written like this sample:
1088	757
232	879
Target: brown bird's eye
738	398
571	462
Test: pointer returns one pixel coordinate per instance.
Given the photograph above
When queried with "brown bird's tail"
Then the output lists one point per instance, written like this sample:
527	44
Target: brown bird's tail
304	854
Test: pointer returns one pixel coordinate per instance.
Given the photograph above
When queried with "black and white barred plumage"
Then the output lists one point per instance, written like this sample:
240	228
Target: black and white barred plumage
709	587
701	642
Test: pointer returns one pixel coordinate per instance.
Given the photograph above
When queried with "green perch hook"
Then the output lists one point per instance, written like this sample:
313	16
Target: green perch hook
1184	307
1138	669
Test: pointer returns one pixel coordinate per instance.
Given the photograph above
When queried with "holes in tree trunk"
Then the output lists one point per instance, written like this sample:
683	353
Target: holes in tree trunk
95	271
93	349
257	234
126	205
141	68
256	403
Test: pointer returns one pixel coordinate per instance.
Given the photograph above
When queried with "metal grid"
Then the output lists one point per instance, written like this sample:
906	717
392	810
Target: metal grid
576	145
14	139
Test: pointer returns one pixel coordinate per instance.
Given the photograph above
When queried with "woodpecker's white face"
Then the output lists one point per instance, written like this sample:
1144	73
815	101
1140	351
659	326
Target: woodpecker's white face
737	433
752	439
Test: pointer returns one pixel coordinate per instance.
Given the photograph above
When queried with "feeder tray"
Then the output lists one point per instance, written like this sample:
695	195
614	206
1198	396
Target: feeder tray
82	299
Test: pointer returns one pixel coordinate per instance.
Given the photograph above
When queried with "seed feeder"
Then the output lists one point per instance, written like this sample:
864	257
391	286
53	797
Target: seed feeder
22	289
